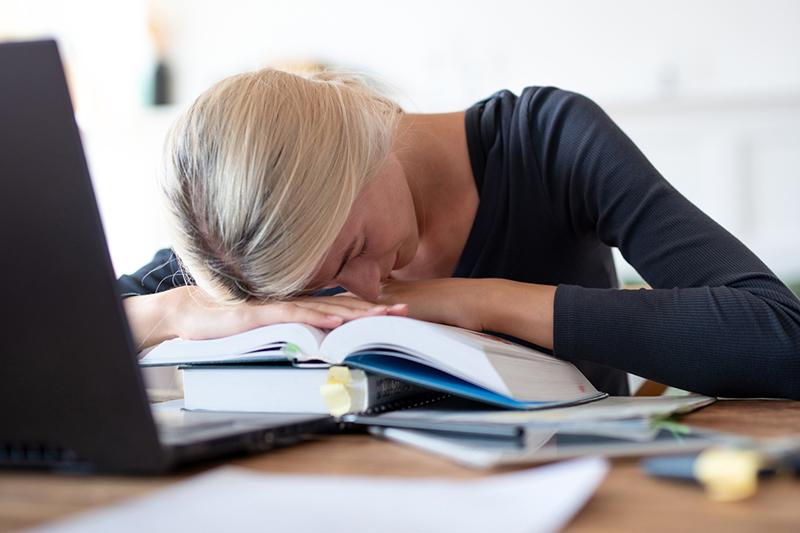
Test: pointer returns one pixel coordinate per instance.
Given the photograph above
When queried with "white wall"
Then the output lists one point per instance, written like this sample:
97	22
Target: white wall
449	53
737	158
710	90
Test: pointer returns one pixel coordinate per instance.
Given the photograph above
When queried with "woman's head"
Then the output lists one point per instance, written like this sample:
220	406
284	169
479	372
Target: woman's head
262	172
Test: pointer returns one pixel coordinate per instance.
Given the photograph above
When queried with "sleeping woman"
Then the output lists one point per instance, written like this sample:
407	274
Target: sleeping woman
313	198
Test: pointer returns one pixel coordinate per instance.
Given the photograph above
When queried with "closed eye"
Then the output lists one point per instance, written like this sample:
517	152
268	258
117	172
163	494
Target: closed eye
363	248
333	282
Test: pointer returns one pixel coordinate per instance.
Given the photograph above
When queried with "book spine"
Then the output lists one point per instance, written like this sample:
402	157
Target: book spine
354	391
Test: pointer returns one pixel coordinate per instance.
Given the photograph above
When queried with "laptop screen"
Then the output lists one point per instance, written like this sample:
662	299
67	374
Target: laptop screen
70	387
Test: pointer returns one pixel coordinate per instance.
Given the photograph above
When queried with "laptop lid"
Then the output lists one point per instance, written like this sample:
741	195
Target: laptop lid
70	387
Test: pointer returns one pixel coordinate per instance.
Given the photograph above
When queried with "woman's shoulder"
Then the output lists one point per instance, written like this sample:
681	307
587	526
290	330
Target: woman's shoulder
541	94
535	107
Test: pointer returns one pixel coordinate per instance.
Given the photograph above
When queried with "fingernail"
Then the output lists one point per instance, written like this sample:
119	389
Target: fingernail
399	306
378	308
333	318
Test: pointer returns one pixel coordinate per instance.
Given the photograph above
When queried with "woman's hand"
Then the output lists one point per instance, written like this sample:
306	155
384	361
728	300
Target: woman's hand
187	312
524	310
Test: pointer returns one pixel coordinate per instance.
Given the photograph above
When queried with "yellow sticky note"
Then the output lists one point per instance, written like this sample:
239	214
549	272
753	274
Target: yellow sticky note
335	392
339	374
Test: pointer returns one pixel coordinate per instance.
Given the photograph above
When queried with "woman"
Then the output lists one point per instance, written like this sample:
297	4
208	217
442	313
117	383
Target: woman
500	218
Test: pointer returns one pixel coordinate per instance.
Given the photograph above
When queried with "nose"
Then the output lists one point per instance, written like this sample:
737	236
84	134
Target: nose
362	277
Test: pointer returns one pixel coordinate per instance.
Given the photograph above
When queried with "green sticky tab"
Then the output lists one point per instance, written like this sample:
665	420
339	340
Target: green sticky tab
670	423
292	351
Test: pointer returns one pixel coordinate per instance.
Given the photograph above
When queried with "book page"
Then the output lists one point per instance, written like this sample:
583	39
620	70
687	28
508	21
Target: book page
442	347
495	364
268	343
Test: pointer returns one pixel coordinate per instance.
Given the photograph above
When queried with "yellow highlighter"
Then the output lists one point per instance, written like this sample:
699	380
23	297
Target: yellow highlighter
729	474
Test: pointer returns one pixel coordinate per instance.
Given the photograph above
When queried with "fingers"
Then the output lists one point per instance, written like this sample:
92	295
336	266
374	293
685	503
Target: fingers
395	309
344	311
345	299
398	310
347	294
198	321
349	306
284	312
316	313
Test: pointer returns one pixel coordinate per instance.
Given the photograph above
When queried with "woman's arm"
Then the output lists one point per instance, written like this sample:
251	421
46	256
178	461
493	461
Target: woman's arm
717	321
186	312
161	304
522	310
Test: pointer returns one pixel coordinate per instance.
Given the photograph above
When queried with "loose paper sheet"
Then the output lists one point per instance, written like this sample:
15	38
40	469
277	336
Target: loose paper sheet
232	499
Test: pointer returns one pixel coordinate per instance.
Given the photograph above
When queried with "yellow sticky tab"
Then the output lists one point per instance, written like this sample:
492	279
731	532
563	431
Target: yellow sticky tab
335	392
339	374
727	474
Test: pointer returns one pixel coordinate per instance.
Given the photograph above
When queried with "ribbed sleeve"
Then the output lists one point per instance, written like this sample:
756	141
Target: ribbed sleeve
160	274
717	320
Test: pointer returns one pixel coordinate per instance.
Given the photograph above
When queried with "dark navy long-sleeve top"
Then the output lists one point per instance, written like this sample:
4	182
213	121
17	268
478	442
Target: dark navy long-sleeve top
560	185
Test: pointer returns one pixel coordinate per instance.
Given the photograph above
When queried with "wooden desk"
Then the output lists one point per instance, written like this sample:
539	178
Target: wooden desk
626	501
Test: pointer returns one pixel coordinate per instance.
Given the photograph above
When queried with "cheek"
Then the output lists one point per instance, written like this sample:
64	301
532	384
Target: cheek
402	221
405	235
394	222
387	233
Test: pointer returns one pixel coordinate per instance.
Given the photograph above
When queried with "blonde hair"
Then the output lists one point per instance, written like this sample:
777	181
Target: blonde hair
261	173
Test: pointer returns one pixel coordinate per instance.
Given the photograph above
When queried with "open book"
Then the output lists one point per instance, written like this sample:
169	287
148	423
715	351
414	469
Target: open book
453	360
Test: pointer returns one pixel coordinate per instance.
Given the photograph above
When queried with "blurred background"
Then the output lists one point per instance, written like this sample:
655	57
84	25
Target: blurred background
710	90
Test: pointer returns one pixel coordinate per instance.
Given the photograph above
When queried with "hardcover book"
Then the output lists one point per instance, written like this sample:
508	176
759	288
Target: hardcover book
456	361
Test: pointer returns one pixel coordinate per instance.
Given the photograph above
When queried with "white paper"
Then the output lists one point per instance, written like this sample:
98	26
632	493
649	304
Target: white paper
232	499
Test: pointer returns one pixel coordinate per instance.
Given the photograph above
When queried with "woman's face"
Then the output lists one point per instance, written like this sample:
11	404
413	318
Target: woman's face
381	235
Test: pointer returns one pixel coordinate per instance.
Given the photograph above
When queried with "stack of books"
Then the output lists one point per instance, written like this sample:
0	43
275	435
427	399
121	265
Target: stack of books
368	365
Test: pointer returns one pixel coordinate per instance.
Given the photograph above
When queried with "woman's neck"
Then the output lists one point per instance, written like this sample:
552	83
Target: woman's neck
432	150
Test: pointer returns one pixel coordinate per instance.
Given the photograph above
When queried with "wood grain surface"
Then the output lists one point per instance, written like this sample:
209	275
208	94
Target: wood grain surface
627	500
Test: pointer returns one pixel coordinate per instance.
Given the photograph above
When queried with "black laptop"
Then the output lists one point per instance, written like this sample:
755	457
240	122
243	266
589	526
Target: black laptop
71	392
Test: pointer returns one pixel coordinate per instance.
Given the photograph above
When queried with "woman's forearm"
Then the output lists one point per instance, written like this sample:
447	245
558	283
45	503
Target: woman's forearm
522	310
150	317
187	312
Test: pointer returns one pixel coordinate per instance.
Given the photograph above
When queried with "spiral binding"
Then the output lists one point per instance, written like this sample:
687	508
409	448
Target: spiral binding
420	400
